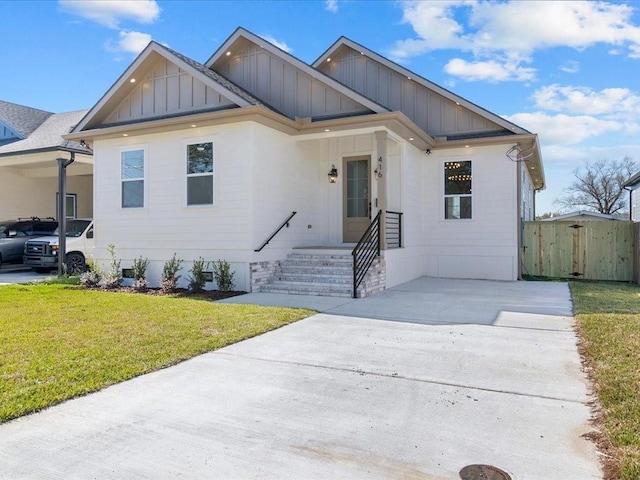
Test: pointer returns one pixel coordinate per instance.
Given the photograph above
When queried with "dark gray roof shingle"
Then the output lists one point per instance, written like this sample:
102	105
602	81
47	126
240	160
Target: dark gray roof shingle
48	136
21	119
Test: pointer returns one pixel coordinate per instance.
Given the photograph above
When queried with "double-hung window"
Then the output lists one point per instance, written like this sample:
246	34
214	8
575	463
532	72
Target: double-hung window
132	176
200	173
457	189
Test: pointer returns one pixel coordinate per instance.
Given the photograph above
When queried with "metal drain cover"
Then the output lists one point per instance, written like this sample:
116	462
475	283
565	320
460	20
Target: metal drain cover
483	472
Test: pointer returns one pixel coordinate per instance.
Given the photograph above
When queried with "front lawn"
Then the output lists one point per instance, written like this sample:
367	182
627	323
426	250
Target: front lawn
61	341
608	317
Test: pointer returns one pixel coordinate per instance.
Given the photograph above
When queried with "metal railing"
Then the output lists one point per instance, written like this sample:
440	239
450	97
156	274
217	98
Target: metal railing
284	224
365	252
393	229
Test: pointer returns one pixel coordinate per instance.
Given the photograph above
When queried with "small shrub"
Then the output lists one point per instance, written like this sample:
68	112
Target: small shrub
197	279
139	268
170	276
93	276
223	275
113	278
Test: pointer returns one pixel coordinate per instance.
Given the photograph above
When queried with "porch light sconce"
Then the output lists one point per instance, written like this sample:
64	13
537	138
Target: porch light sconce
333	174
378	170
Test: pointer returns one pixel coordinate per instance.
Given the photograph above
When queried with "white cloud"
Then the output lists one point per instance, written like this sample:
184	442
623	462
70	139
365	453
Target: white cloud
618	102
110	13
513	30
491	70
564	129
280	45
331	5
129	42
570	67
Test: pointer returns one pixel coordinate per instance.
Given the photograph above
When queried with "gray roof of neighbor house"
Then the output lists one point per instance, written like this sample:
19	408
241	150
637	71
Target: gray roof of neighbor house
48	136
21	119
633	182
585	214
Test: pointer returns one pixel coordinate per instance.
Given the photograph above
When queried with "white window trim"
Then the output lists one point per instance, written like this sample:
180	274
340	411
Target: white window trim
190	141
129	148
443	215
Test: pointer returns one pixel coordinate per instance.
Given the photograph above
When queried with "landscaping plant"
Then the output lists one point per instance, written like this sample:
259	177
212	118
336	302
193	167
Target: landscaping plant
139	268
198	276
170	276
113	278
92	277
223	275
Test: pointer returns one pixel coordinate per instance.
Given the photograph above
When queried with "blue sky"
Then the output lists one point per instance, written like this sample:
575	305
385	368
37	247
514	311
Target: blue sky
569	71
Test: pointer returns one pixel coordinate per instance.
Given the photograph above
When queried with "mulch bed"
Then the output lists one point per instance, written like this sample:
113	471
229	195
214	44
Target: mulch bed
211	295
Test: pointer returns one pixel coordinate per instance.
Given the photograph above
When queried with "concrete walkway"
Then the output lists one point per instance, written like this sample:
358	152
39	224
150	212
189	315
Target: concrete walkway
417	382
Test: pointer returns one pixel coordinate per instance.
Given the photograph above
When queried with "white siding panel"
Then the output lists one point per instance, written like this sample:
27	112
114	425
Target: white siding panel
160	95
37	196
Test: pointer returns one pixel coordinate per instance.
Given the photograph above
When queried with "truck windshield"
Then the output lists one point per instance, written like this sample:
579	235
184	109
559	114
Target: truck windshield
74	227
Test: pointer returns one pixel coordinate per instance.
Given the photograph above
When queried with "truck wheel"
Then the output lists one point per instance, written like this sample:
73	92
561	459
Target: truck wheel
75	263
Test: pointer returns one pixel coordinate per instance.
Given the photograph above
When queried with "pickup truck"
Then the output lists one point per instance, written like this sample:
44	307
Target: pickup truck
41	254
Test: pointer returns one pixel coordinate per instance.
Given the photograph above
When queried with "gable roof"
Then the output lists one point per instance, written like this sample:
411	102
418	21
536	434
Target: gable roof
48	136
583	215
344	42
125	84
20	119
241	34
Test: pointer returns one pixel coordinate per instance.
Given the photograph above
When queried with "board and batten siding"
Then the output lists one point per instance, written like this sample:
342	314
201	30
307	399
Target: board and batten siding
485	246
284	86
432	112
166	89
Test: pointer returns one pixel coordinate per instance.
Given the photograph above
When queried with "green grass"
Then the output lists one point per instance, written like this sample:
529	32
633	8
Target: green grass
608	316
59	341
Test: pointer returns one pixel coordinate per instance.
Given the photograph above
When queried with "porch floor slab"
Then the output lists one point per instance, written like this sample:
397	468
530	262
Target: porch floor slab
465	372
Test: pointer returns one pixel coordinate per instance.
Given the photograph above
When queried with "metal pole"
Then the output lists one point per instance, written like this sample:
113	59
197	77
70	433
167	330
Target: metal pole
62	210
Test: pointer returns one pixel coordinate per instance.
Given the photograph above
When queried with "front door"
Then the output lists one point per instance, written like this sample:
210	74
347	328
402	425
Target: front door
357	198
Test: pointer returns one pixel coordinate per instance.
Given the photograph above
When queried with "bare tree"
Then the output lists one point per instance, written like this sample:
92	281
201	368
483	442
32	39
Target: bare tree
598	186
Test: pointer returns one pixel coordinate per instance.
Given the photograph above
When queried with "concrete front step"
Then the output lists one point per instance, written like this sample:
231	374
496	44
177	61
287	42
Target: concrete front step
323	273
297	277
297	290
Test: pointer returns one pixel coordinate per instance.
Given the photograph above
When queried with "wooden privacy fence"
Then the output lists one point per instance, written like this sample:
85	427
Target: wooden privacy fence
594	250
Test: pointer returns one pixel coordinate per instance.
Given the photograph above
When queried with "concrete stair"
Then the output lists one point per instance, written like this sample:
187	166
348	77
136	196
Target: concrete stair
315	273
323	274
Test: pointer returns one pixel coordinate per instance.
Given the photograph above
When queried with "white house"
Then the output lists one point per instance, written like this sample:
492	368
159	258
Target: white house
30	144
208	160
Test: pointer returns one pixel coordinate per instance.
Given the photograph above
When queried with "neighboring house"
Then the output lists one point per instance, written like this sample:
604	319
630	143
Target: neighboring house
209	159
583	216
634	197
30	142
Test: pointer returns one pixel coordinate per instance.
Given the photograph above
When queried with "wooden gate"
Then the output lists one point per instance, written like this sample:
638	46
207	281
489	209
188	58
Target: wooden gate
591	250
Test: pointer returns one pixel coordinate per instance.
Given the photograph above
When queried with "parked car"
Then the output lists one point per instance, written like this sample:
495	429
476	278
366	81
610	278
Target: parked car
41	254
14	234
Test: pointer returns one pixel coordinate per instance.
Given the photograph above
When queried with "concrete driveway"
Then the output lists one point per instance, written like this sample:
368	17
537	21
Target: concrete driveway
20	274
417	382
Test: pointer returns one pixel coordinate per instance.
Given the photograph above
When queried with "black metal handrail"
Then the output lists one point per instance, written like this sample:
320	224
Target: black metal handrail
393	229
365	252
285	223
